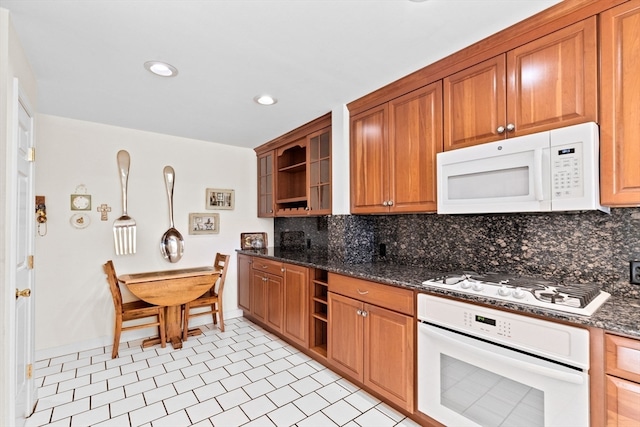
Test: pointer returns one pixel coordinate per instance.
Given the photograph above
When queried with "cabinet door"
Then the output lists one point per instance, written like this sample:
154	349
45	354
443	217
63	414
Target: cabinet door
415	136
552	81
296	304
273	296
266	185
623	403
319	175
474	104
244	280
619	101
258	295
369	161
389	354
345	335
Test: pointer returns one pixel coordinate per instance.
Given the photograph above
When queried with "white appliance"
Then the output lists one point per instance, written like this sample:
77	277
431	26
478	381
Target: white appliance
483	367
556	170
583	299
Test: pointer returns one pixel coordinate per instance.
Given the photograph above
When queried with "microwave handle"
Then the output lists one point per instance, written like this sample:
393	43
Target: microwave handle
537	174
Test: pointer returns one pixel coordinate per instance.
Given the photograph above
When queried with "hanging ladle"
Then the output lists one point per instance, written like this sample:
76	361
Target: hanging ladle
172	242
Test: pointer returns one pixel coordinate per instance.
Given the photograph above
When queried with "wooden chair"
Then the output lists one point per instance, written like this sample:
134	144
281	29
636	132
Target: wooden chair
212	298
131	311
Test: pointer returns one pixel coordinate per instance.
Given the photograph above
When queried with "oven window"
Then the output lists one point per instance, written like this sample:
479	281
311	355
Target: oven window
487	398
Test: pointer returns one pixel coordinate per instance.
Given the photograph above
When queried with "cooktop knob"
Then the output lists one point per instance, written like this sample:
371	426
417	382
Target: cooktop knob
519	293
477	286
504	291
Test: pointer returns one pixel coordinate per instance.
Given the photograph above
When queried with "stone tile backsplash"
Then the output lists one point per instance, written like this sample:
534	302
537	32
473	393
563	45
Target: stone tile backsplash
576	247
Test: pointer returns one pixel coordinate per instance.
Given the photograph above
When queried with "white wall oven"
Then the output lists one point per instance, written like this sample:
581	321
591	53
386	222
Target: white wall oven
483	367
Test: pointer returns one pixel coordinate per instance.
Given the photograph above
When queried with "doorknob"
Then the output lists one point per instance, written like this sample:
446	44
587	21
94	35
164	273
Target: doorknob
23	293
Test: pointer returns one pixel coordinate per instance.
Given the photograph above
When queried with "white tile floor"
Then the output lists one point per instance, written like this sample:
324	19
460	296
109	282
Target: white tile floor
244	376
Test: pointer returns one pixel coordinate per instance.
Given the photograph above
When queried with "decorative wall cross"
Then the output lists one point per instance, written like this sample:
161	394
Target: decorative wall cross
103	209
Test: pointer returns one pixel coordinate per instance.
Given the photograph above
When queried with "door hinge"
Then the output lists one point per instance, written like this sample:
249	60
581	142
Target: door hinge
31	156
29	371
30	262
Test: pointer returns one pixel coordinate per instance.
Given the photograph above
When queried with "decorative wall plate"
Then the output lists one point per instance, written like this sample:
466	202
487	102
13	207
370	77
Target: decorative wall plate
80	220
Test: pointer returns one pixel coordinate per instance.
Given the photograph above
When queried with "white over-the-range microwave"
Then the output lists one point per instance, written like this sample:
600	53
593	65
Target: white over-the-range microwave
556	170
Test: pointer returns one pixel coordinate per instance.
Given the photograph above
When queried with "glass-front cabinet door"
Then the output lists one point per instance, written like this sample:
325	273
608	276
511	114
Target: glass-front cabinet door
319	152
265	185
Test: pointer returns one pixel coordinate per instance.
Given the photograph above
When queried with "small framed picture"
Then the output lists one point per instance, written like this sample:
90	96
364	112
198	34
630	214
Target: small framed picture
204	223
253	240
219	199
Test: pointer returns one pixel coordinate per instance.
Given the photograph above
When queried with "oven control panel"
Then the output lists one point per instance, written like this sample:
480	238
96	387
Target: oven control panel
545	338
500	327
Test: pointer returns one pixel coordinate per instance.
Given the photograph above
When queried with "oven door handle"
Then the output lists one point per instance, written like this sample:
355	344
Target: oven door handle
462	341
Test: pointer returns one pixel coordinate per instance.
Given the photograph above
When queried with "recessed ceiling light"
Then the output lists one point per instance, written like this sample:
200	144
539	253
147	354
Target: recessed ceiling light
161	68
265	100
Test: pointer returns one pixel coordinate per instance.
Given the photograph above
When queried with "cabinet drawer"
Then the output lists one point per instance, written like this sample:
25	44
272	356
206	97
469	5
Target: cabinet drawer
267	265
623	357
390	297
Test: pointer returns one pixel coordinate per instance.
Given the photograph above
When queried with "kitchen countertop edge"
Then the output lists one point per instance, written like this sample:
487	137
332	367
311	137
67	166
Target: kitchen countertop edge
616	315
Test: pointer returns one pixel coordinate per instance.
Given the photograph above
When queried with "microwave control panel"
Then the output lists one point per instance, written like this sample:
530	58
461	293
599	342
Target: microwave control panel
567	174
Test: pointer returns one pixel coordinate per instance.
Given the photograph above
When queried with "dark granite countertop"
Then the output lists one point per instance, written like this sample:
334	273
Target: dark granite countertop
618	315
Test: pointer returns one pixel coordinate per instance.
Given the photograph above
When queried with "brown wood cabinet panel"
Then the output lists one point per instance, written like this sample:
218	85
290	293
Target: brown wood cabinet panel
623	357
258	296
548	83
296	304
475	104
267	266
389	354
415	137
393	298
552	81
244	280
623	403
369	161
345	335
619	107
319	173
266	185
274	301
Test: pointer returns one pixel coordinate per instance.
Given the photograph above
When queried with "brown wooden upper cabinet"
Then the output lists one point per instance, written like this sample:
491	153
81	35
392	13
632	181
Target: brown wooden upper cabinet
294	172
545	84
266	199
393	154
619	103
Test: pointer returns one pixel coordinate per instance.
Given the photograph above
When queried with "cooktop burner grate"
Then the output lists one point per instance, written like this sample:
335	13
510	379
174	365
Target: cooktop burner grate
576	298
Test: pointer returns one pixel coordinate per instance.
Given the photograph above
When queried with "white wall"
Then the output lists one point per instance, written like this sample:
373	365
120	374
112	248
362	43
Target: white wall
73	304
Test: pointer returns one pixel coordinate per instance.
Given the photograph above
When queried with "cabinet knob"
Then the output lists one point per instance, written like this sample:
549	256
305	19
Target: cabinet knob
362	292
500	129
359	312
364	313
511	127
385	203
390	202
307	208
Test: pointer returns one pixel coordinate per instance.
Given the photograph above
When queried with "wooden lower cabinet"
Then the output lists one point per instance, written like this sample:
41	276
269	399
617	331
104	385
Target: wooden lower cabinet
296	304
623	381
373	345
276	295
244	278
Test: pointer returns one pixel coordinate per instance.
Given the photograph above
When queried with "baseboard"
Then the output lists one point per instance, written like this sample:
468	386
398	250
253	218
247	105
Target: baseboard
126	336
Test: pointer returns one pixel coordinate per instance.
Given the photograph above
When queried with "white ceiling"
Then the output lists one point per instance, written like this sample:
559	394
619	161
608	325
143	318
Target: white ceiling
312	55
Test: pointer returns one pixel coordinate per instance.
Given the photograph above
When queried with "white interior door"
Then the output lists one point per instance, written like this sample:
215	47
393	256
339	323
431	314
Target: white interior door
22	260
